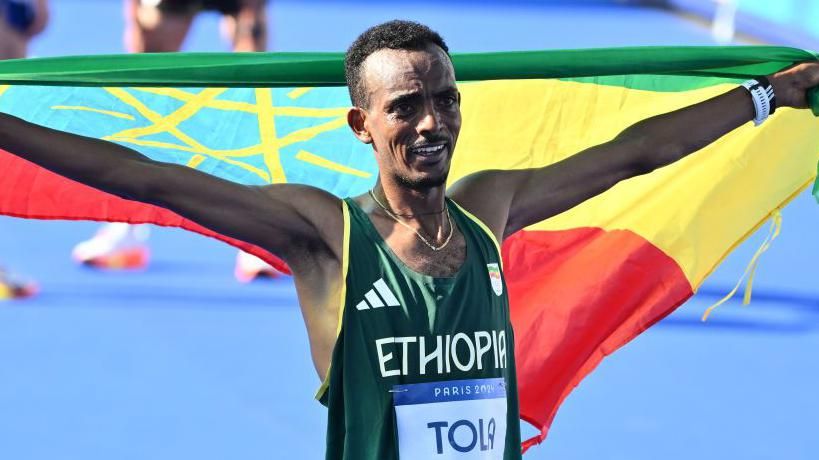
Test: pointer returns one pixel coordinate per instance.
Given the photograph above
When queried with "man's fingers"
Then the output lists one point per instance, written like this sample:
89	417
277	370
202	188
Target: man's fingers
813	100
791	85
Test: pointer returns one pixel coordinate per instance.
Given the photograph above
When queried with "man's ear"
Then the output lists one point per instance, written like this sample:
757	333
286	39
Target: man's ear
356	118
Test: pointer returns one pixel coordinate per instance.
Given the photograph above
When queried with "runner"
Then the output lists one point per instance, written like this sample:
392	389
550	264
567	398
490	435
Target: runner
402	288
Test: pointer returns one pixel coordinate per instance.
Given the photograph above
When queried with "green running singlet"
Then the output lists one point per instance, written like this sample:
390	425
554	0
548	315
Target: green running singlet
423	367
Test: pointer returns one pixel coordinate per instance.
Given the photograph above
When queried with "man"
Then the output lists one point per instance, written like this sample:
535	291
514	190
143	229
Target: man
161	26
20	20
409	334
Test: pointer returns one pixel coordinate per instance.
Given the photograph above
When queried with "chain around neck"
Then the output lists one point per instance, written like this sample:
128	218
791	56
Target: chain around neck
417	233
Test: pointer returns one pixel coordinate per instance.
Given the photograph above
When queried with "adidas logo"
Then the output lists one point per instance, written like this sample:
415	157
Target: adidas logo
377	297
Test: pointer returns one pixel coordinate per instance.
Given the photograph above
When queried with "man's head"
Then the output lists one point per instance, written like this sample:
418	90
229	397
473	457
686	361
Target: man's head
402	85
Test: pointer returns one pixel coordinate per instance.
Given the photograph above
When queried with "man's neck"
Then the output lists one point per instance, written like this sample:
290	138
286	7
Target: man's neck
424	210
409	202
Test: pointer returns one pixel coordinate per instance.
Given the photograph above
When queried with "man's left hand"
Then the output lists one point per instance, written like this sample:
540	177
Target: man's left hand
792	84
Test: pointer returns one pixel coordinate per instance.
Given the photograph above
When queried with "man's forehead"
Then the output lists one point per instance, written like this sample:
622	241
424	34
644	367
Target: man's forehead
390	69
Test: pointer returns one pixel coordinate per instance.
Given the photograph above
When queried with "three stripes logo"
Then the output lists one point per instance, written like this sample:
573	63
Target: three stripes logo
379	296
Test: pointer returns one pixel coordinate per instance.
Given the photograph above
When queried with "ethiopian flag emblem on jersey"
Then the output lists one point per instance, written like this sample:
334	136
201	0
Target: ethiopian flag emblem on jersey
495	278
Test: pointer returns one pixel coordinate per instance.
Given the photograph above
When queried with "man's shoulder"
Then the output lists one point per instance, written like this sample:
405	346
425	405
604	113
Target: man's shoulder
302	194
310	207
480	195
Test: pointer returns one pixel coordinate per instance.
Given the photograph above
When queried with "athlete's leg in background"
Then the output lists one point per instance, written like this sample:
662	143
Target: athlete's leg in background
152	27
20	20
246	29
161	26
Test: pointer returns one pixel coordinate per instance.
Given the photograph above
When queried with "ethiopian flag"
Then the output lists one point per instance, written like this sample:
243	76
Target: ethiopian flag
582	284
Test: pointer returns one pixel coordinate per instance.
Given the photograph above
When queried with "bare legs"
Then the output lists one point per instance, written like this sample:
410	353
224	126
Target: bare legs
152	27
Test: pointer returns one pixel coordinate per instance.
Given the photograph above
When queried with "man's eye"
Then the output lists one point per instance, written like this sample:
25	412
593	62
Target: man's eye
448	101
403	109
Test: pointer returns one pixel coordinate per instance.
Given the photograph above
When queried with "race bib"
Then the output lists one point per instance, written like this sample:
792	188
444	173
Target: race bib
458	419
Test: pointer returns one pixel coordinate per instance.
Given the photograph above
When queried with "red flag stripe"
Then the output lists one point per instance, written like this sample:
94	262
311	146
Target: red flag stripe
41	194
576	297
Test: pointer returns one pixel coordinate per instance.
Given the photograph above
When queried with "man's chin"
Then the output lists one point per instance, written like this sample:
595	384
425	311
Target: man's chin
423	182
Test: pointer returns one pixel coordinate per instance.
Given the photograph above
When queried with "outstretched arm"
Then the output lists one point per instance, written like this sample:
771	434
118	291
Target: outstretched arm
523	197
280	218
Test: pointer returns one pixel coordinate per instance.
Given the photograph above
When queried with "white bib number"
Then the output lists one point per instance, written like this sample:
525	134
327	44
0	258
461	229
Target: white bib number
458	419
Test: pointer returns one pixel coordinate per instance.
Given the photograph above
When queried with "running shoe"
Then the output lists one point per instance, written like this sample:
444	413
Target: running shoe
13	288
115	246
250	267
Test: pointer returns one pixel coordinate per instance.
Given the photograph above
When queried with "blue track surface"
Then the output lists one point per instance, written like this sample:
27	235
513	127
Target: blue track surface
180	361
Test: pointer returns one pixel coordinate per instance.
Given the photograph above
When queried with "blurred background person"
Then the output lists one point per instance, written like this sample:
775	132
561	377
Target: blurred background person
20	20
154	26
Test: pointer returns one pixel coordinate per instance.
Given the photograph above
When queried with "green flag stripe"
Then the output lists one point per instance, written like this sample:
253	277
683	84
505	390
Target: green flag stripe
659	83
327	69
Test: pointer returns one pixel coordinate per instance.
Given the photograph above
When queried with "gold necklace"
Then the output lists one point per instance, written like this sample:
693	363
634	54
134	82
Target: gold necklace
417	233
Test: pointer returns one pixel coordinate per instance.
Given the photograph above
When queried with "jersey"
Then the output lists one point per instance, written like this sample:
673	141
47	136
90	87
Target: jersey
423	367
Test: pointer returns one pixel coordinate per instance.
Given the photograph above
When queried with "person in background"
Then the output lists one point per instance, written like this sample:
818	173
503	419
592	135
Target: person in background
20	20
154	26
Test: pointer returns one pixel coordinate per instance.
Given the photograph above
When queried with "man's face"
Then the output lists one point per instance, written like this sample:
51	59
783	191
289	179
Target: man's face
414	114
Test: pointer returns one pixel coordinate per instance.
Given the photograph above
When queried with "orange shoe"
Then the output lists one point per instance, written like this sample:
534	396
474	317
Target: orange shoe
116	246
123	259
11	288
250	267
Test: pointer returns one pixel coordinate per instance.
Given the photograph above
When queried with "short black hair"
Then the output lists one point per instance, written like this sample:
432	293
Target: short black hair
395	34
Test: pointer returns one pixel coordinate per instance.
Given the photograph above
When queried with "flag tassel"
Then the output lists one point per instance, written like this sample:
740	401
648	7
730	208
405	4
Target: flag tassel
750	270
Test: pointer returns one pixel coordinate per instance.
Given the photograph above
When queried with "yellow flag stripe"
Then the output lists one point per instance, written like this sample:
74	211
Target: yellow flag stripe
694	210
267	134
112	113
322	162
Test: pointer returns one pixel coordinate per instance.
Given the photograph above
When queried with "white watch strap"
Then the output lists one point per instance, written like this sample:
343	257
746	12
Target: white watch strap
761	99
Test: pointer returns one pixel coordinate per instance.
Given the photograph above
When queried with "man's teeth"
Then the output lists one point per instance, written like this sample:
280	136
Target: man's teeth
428	150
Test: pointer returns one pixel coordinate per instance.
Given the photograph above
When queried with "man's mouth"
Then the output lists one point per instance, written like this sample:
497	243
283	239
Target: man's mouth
428	150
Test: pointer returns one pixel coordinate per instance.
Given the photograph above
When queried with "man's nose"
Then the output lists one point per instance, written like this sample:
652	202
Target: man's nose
430	121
